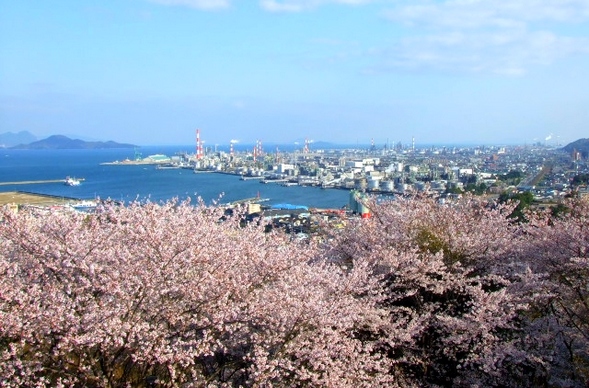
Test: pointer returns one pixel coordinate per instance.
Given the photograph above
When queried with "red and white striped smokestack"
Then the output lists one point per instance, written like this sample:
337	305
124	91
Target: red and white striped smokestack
199	153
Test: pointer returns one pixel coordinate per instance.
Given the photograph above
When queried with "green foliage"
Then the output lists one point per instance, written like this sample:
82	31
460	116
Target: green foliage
580	179
454	190
513	177
470	187
430	242
559	210
479	189
524	201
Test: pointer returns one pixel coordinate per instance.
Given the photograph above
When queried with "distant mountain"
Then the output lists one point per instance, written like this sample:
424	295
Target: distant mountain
581	145
10	139
60	142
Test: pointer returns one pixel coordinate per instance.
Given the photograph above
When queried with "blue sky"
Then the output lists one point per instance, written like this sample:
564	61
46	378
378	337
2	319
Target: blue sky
347	71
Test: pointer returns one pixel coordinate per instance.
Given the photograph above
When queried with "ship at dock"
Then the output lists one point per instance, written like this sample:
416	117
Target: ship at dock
69	181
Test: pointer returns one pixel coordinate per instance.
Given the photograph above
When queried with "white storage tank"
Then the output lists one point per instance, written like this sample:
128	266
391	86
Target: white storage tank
373	184
360	183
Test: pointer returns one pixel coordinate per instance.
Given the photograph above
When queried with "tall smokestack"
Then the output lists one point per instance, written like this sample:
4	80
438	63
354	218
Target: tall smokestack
199	153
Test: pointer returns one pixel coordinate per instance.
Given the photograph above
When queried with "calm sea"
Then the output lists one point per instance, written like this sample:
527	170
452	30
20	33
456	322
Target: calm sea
128	183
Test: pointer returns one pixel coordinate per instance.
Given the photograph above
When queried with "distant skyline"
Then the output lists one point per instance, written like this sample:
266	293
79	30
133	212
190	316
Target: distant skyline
150	72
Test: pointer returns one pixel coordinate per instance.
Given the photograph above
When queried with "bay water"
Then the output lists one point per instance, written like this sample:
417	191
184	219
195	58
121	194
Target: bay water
143	182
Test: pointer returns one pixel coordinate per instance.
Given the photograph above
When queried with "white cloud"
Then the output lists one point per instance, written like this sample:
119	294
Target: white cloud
302	5
490	36
274	6
198	4
496	52
480	36
488	13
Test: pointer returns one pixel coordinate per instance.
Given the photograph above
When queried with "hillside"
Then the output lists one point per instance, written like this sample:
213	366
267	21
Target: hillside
60	142
581	145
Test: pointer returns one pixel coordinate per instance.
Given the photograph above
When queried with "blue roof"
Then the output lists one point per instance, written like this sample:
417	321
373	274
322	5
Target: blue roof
288	206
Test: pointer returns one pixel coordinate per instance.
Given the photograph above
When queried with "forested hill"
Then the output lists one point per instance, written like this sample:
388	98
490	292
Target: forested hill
581	145
64	142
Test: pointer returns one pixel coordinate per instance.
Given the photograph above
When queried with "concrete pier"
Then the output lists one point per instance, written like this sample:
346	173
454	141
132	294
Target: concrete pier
36	182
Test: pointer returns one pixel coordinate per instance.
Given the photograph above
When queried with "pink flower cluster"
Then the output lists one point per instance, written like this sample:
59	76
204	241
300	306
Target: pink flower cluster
177	295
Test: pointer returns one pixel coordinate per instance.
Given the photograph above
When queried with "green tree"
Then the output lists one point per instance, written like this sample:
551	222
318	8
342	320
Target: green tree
524	201
580	179
513	177
479	189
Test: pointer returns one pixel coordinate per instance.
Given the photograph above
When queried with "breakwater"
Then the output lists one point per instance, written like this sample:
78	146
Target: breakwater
36	182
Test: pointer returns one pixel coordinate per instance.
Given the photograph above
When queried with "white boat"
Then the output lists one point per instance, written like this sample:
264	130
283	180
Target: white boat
85	206
72	181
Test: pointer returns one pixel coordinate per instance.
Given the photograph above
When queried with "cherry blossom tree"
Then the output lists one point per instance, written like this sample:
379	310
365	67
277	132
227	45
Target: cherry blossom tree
454	291
169	294
176	294
558	247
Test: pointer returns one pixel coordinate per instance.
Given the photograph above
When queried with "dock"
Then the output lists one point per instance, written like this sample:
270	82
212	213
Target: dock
248	200
37	182
274	180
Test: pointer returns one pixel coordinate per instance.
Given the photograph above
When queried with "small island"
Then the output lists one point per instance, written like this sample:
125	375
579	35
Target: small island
60	142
